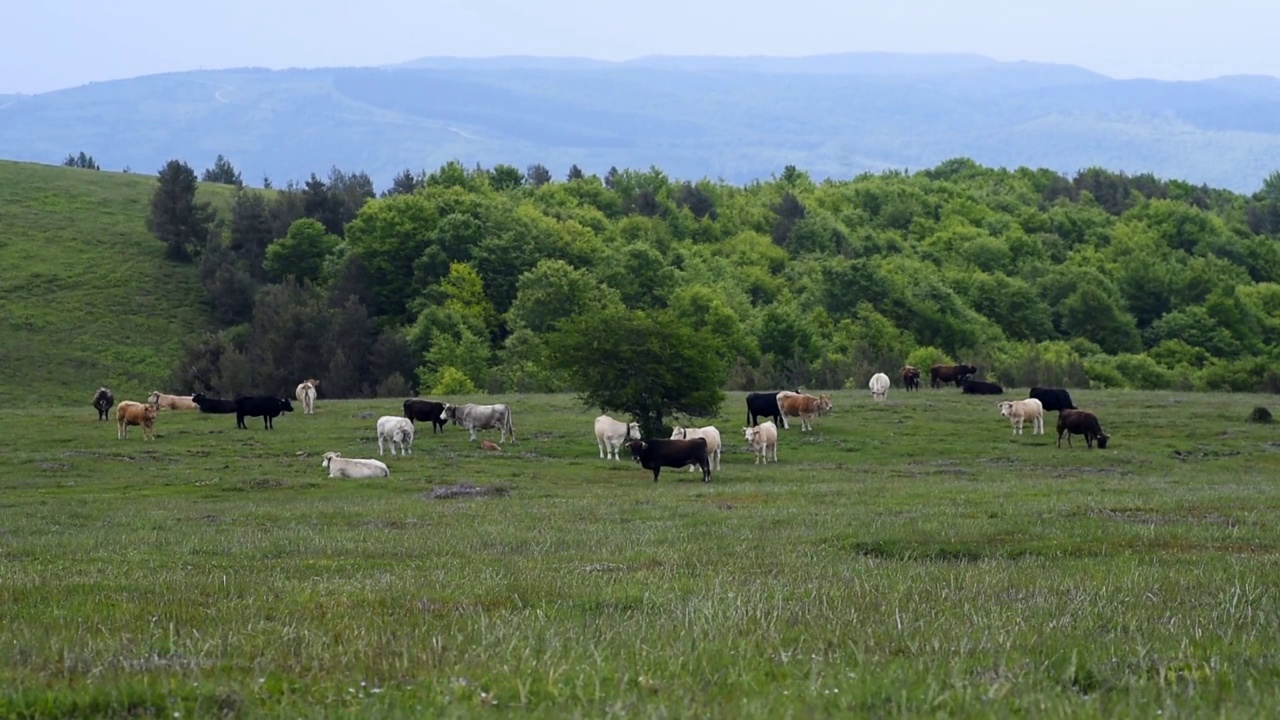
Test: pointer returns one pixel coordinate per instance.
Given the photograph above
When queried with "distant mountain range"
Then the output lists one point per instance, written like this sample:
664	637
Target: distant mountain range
736	118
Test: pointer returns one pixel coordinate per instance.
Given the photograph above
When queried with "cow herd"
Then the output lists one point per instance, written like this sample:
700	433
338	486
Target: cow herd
687	447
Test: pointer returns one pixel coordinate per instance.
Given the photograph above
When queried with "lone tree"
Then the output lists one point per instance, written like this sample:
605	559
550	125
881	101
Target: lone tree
176	219
648	365
81	161
222	172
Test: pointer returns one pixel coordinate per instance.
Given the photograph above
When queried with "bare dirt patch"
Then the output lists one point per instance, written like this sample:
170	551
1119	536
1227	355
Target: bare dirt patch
465	490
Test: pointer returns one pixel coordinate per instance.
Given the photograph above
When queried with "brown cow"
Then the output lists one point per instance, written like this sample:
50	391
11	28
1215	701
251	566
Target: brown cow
135	413
1079	422
910	378
805	407
957	374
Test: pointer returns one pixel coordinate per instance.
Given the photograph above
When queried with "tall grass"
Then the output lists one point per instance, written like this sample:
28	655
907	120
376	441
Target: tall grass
908	558
86	298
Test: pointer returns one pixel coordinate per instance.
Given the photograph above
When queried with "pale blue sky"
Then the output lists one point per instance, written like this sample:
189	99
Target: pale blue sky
54	44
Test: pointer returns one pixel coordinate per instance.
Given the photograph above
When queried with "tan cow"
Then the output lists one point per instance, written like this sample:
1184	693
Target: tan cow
805	407
762	438
160	400
1020	411
306	394
129	413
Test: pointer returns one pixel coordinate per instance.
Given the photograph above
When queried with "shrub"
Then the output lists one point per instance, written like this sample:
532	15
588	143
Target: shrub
926	357
452	381
1102	373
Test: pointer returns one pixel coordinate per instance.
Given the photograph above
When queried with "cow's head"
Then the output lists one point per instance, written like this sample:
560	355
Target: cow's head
285	405
749	434
1102	440
449	412
154	398
637	448
824	404
329	456
148	414
1006	407
679	433
633	431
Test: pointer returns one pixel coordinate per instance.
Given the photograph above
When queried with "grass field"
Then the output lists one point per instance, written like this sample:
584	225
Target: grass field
906	559
86	298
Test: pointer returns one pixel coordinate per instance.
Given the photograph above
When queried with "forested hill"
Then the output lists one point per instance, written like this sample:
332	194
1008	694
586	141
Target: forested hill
734	118
475	278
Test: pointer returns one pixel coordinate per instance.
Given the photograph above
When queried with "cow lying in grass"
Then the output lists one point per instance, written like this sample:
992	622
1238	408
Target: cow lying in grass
170	402
340	467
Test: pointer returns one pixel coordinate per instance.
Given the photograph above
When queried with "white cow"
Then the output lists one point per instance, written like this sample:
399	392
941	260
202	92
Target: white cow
708	433
481	417
610	434
761	438
306	394
340	467
396	431
879	386
1019	411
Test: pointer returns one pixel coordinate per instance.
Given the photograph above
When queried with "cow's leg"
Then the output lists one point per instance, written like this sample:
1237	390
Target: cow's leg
379	443
775	451
472	429
656	470
706	470
121	430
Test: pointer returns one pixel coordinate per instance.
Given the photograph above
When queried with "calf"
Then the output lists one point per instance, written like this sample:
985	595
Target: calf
761	438
879	385
340	467
135	413
656	454
939	374
611	434
396	431
1053	398
1079	422
171	402
805	407
910	378
213	406
306	394
712	436
978	387
102	402
1019	411
264	406
427	411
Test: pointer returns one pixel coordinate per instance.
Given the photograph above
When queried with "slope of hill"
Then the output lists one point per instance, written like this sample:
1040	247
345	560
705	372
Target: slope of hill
735	118
86	298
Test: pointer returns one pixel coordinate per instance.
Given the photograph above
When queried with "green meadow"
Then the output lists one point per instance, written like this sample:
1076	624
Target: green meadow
911	558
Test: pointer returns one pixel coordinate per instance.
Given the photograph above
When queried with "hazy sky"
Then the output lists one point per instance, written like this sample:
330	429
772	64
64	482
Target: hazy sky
54	44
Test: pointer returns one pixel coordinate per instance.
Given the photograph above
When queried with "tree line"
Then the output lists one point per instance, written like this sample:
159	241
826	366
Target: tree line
496	279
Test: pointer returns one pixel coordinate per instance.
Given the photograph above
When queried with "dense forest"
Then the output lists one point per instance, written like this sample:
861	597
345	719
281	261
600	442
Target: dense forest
461	279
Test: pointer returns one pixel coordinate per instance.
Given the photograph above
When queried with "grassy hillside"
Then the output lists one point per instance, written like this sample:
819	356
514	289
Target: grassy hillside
906	559
86	298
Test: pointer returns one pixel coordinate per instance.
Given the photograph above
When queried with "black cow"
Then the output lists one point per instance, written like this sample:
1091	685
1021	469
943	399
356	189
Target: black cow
1079	422
978	387
958	374
103	401
427	411
213	406
763	404
657	454
263	406
1053	398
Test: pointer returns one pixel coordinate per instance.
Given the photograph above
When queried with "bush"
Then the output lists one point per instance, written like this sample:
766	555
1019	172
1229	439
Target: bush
1050	364
926	357
1102	373
452	381
394	387
1143	373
